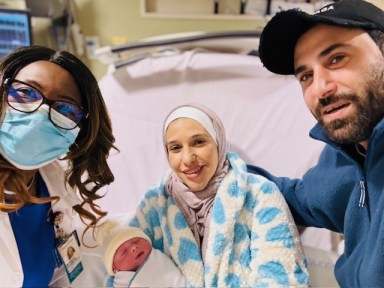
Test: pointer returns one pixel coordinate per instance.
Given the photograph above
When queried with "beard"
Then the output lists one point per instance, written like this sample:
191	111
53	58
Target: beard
369	110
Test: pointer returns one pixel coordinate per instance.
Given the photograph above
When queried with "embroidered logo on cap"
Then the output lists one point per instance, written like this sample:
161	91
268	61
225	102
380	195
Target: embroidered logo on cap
324	9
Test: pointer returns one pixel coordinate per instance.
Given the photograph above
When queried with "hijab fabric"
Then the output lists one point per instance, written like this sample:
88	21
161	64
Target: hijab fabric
196	206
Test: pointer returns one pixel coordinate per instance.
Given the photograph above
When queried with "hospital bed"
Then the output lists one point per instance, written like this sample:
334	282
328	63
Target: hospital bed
266	120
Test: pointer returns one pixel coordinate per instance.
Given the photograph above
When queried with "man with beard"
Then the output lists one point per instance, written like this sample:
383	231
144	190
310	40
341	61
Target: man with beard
336	55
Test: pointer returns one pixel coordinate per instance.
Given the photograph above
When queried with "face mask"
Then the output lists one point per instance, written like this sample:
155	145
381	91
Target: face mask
30	140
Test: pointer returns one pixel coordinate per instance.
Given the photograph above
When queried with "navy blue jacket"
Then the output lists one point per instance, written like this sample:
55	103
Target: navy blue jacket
346	197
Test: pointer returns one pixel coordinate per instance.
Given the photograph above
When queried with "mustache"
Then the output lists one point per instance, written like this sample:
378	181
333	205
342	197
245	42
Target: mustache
337	97
334	98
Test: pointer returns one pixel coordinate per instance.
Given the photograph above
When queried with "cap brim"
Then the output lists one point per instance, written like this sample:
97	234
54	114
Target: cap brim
279	37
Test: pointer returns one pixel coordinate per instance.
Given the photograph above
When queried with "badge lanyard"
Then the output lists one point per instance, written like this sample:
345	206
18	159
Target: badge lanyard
67	247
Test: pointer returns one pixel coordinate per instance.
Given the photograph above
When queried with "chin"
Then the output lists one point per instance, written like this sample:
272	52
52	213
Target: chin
197	189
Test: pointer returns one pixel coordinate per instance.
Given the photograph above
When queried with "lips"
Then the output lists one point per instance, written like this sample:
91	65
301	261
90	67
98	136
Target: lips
139	255
194	172
334	108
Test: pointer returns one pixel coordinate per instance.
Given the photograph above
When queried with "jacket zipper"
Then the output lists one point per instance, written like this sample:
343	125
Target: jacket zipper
362	182
362	194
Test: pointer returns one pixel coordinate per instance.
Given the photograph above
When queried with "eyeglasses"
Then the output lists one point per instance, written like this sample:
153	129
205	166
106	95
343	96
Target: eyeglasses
25	98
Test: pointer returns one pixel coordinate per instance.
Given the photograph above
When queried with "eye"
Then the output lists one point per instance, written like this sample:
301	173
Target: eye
122	253
200	142
174	148
305	77
337	59
24	94
68	110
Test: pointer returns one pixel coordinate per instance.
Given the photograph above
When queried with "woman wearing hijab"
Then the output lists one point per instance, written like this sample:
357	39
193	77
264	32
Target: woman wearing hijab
222	226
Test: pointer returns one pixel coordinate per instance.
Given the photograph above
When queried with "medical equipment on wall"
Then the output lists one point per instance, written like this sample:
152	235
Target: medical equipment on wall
65	29
236	42
15	29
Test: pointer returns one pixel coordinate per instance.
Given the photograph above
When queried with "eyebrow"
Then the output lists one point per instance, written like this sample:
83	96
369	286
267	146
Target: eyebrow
322	54
32	83
193	137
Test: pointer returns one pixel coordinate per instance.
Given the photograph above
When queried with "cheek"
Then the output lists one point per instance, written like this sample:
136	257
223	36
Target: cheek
174	161
118	254
213	159
117	259
309	100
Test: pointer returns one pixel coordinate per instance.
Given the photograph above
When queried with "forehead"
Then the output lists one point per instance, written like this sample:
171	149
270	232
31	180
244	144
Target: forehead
133	241
184	125
50	77
41	69
322	36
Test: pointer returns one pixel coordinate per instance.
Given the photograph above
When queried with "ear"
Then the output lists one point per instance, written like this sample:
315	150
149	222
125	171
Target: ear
114	269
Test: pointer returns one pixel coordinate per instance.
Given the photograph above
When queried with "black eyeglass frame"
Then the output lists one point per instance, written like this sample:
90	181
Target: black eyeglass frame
8	82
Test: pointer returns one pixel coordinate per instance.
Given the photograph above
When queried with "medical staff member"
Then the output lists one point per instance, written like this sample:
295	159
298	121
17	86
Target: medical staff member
55	137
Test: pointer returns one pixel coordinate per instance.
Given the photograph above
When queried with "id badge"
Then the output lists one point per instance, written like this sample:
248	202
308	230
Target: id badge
69	251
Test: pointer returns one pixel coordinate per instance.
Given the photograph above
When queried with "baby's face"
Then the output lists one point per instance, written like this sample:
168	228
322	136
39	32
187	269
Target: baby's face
131	254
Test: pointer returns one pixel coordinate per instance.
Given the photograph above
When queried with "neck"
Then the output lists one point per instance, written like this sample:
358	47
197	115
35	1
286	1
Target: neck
363	144
30	177
360	149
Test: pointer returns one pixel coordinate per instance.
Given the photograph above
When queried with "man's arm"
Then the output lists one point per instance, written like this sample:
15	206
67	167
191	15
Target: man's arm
321	197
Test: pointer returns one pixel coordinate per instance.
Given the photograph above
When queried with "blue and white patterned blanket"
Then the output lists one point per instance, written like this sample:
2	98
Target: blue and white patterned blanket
252	242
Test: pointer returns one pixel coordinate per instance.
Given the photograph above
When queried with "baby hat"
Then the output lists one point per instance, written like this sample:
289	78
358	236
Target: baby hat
111	235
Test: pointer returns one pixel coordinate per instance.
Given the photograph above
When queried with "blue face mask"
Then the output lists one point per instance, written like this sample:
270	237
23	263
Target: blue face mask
30	140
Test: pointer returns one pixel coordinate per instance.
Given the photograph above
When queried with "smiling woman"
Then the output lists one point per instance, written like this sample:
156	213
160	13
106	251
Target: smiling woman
208	212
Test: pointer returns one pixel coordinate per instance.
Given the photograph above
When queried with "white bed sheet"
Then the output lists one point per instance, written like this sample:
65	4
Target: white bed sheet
264	114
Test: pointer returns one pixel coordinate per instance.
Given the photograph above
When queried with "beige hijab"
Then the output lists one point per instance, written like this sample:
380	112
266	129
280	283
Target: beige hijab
196	206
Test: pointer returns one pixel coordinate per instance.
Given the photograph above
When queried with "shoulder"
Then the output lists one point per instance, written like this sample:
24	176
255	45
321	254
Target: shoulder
53	175
55	170
255	182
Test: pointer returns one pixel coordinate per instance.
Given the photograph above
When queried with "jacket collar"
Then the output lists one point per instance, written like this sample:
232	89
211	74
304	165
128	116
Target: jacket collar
54	177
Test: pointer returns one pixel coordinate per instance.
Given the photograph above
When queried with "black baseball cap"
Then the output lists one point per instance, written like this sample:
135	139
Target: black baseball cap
279	37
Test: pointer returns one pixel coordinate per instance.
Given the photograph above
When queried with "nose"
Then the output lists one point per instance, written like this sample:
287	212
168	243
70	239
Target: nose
189	157
323	83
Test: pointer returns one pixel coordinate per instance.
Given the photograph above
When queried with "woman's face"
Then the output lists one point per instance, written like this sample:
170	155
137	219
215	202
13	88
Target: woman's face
192	153
71	252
